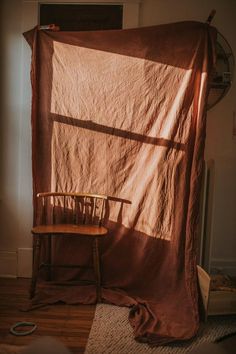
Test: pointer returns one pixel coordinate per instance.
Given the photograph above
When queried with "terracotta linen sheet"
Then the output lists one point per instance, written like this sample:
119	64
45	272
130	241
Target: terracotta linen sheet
122	113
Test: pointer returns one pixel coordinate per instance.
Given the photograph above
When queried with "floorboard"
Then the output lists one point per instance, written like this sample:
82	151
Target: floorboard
69	324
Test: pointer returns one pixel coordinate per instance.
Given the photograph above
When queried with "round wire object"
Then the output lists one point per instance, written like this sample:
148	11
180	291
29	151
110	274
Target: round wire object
223	74
23	324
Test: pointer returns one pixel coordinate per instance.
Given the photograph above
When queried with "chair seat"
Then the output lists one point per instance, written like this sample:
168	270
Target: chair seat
71	229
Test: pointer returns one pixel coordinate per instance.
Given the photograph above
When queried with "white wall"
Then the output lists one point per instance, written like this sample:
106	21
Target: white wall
15	178
11	140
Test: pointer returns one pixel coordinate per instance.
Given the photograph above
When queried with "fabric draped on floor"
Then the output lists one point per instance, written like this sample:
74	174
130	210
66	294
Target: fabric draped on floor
123	113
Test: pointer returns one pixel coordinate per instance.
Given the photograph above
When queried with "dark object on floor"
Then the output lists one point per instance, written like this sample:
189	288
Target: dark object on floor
223	345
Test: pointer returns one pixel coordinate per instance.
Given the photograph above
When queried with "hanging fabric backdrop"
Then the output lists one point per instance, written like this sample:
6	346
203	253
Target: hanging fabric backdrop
122	113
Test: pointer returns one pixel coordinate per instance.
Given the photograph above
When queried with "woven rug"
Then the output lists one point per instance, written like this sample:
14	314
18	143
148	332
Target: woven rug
111	333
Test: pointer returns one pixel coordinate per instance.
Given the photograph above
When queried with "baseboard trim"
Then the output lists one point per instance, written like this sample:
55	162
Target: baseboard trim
15	264
19	264
224	265
8	264
24	264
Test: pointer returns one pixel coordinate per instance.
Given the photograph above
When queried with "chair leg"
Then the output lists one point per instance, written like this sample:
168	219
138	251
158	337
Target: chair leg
36	256
96	262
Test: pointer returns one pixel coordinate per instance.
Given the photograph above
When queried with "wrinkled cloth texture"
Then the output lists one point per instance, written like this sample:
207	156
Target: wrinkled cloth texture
123	113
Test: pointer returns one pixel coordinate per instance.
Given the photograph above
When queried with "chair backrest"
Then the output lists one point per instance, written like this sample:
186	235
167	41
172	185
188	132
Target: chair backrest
76	208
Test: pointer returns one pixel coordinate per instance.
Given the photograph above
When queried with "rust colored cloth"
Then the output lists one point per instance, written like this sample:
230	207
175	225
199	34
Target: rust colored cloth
123	113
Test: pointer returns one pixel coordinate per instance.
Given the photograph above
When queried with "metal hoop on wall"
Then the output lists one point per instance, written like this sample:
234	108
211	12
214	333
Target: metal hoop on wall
224	71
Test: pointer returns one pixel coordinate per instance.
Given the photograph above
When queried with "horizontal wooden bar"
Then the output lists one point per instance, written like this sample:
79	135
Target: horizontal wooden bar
75	195
86	230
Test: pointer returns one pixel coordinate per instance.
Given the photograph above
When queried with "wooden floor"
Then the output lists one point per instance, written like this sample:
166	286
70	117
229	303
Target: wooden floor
70	324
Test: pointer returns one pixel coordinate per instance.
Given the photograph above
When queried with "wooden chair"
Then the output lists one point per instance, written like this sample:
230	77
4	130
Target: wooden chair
68	214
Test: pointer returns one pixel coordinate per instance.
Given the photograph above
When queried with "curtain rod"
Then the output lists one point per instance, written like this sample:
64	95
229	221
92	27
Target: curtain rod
211	16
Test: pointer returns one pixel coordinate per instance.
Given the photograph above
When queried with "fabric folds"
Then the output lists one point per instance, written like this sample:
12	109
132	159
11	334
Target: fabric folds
123	113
